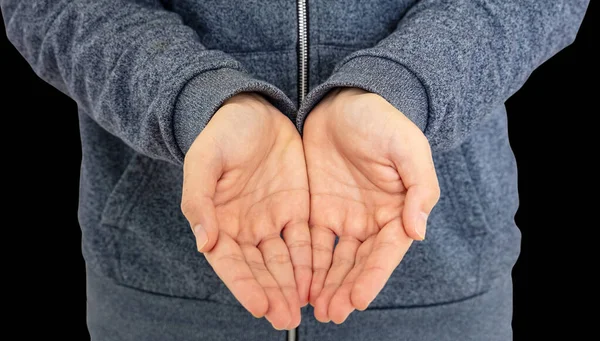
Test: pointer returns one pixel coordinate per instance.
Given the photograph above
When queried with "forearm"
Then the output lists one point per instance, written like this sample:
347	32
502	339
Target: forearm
132	65
450	63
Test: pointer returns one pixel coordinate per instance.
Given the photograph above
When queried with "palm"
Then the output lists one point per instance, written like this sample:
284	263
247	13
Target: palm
354	190
358	195
266	175
261	193
274	182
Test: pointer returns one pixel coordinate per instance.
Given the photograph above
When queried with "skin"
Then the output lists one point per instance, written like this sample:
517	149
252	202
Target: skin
372	183
245	184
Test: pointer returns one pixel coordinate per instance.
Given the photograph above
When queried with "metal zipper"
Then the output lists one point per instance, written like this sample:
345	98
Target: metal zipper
302	50
292	335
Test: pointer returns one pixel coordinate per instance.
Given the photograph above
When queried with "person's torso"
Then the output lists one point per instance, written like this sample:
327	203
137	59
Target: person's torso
135	233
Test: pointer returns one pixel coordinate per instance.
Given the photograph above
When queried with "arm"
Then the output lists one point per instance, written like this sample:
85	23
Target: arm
133	66
145	77
446	66
450	63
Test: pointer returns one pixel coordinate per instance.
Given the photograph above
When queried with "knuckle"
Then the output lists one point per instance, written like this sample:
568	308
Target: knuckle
231	258
360	259
242	279
278	259
288	287
435	192
299	267
299	244
318	247
391	244
431	193
321	269
374	269
188	207
342	262
256	266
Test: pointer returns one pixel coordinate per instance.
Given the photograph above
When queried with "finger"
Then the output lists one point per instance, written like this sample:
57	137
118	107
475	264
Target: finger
278	262
418	204
341	306
414	163
322	241
228	261
389	248
201	171
297	239
343	261
278	313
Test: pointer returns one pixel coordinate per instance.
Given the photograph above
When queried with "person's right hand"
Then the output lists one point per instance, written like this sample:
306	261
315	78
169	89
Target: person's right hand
245	187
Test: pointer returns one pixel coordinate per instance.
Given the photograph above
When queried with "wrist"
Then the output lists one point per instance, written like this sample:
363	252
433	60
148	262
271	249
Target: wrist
250	103
204	95
249	111
246	99
340	101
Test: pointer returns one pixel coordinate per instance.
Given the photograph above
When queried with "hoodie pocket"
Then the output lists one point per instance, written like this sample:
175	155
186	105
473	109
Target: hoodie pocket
127	190
445	266
155	248
467	211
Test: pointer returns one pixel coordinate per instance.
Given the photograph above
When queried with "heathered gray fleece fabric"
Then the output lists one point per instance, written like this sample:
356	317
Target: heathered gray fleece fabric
147	76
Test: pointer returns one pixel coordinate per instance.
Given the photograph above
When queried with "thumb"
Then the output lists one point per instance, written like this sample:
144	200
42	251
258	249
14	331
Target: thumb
417	172
200	212
418	203
201	171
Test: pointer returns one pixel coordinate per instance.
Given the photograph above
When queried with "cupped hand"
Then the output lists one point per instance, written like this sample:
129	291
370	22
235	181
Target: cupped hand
372	184
245	194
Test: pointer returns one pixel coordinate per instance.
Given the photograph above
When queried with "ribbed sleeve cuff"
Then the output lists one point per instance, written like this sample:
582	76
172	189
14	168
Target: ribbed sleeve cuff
382	76
204	94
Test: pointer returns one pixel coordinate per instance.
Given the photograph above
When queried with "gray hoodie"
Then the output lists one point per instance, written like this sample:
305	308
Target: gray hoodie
147	75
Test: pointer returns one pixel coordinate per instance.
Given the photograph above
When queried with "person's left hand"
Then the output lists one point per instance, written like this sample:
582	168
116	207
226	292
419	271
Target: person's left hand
372	183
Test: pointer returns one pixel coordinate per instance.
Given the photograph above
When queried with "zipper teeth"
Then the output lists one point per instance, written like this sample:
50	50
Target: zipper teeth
292	335
303	50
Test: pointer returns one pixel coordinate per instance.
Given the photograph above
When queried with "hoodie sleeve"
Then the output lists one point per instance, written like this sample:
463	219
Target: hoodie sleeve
133	66
449	63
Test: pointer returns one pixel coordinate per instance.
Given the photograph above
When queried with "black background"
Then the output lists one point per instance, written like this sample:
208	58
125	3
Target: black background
550	124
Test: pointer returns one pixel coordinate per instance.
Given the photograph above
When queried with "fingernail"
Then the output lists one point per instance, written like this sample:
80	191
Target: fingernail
201	236
421	226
